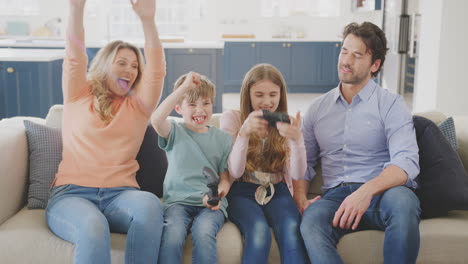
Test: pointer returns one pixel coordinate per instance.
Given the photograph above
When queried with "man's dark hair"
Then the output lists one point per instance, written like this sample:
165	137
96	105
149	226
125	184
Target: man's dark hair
374	39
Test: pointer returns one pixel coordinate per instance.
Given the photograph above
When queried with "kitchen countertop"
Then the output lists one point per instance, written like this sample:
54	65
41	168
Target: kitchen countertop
7	54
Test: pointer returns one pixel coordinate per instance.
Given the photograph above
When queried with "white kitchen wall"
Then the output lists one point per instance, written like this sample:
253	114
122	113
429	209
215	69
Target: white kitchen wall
442	66
222	17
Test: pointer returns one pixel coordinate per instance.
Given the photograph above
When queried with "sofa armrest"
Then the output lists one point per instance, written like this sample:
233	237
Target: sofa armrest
13	167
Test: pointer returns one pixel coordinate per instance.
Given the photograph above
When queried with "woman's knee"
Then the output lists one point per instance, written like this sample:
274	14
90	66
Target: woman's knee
146	207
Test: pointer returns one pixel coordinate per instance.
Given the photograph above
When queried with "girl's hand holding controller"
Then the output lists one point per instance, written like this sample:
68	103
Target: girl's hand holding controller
254	124
291	131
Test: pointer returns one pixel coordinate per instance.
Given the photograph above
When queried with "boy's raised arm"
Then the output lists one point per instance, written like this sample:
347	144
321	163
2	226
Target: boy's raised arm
159	117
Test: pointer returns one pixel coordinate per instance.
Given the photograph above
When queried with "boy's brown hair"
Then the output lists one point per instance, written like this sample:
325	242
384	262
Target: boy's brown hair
205	89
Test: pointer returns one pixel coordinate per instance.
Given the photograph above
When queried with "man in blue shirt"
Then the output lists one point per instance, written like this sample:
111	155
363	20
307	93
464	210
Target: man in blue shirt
365	139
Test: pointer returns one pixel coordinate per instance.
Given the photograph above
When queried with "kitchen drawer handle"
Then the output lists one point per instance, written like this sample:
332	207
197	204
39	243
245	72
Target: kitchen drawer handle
10	70
190	50
337	45
284	45
289	45
253	45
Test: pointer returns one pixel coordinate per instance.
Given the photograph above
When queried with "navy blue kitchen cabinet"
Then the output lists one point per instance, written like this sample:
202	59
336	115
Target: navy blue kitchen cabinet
239	57
29	88
308	67
207	62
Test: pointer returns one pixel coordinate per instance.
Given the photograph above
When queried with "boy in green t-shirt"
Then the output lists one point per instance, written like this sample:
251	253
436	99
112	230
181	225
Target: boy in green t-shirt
191	146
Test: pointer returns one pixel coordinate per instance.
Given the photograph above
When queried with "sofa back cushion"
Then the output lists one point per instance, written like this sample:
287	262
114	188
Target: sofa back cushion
153	164
443	180
45	154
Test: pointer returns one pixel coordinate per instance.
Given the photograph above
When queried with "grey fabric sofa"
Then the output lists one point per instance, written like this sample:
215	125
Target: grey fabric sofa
25	237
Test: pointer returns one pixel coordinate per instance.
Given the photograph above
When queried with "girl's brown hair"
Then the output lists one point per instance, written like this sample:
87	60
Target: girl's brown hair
273	155
99	72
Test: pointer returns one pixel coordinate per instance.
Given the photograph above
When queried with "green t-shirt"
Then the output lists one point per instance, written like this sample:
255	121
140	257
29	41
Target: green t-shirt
187	153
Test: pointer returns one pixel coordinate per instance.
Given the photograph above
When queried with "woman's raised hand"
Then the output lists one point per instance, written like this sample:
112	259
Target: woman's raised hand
291	131
254	124
78	3
145	9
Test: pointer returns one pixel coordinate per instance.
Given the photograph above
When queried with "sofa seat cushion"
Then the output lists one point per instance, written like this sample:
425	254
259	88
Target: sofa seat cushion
25	238
443	240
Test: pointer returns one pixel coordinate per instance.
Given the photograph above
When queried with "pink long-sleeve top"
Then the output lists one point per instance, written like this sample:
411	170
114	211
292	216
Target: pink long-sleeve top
98	154
295	169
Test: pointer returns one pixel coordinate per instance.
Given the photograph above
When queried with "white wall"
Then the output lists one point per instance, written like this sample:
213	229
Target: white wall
222	17
442	64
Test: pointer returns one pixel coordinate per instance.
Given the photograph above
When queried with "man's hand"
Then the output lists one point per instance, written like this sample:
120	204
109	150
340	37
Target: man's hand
351	210
302	204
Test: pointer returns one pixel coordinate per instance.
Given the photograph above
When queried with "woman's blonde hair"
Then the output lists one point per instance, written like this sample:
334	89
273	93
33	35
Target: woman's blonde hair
273	156
99	72
206	89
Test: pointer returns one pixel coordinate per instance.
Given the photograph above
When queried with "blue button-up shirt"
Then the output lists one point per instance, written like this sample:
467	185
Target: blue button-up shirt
356	141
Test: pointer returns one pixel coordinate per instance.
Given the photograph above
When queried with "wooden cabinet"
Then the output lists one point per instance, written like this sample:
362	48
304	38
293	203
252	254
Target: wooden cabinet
204	61
308	67
29	88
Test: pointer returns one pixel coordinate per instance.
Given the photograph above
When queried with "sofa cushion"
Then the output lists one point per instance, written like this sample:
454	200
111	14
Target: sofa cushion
447	128
45	154
443	180
153	164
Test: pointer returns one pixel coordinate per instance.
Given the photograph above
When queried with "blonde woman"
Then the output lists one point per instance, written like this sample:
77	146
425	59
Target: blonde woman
104	120
264	160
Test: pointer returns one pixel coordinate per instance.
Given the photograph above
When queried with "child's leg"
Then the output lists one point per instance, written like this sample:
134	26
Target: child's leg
248	216
177	219
206	225
284	217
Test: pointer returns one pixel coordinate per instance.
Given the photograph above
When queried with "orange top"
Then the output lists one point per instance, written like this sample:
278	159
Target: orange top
96	154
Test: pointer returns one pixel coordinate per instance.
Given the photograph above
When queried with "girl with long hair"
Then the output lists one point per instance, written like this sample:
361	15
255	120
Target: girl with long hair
264	160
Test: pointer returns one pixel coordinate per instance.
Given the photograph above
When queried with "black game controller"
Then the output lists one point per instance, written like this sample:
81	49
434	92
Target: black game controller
273	117
213	181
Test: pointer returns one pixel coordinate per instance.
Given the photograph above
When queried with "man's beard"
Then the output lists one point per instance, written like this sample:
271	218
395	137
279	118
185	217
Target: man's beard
353	78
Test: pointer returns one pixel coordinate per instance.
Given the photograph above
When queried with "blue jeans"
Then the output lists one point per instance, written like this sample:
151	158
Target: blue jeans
86	216
396	212
254	222
204	225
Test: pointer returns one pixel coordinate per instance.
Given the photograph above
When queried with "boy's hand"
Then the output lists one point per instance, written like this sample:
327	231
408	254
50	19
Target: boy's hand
213	208
254	124
144	8
223	188
192	80
291	131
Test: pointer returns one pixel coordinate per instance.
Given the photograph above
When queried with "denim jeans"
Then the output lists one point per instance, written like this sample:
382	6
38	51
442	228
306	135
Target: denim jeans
254	222
396	212
85	216
204	225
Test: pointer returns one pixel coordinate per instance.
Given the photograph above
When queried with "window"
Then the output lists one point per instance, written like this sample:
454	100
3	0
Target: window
285	8
19	7
173	18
